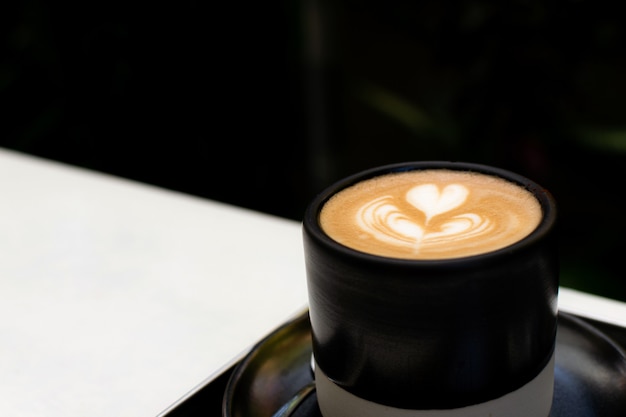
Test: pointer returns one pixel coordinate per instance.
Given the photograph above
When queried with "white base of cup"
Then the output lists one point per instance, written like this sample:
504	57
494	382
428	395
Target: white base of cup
531	400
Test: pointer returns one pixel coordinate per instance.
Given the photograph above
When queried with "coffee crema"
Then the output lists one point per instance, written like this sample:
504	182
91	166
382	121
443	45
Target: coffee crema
430	214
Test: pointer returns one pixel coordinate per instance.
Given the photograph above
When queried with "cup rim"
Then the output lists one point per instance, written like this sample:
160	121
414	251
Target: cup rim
312	227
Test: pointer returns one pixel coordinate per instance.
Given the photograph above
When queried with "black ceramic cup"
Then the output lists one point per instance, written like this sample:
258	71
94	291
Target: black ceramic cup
459	336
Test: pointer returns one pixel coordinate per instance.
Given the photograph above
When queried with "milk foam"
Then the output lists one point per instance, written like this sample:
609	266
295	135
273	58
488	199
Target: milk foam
431	214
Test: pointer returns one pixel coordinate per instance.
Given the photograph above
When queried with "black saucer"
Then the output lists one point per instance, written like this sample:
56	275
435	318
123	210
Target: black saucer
275	378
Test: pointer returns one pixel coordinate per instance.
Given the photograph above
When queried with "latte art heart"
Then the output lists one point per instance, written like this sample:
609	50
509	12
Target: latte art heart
428	198
431	214
386	222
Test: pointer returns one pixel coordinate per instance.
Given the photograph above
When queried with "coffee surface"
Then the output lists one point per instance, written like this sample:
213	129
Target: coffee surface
430	214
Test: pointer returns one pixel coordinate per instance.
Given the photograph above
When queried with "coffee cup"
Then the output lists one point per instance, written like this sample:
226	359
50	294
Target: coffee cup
433	292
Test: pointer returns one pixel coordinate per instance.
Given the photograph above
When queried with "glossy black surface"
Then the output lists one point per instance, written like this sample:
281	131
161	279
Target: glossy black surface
590	374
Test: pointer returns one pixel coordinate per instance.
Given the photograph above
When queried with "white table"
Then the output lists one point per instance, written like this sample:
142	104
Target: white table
118	298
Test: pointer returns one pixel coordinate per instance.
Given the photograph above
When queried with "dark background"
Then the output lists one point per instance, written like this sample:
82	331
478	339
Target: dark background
261	105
